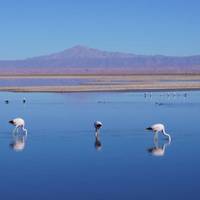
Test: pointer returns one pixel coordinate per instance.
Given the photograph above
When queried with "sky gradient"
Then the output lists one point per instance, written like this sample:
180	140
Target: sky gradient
32	28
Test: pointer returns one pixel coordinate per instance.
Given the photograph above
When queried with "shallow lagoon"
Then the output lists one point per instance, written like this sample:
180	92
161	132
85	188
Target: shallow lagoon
60	160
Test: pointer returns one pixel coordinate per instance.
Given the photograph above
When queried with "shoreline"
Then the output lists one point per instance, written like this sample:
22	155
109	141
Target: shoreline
101	83
92	89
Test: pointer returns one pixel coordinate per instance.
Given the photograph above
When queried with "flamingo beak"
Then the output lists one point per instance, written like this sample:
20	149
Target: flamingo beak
11	122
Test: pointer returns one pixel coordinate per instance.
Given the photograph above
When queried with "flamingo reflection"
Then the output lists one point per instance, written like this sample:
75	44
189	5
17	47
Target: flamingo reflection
157	150
97	143
18	141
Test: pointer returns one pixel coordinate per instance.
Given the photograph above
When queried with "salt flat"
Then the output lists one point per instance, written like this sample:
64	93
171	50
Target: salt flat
86	83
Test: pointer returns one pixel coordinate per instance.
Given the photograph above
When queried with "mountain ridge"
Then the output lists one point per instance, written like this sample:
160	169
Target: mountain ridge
82	59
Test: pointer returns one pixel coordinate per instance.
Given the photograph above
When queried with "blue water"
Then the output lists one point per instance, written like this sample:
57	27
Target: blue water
59	159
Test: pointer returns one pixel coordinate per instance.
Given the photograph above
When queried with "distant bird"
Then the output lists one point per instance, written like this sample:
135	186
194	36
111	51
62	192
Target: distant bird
18	123
7	101
156	128
159	104
101	101
24	100
97	126
168	94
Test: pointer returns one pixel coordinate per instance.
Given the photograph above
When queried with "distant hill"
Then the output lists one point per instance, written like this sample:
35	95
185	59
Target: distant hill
80	59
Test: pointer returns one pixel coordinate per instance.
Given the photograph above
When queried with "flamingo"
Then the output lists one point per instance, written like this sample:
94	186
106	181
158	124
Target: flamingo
18	123
156	128
97	126
168	94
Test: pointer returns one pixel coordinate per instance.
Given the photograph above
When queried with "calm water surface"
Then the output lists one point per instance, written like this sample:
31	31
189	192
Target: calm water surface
17	82
60	158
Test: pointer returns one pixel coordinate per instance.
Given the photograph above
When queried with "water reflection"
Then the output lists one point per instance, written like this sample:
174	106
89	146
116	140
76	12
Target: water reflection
97	143
158	150
18	141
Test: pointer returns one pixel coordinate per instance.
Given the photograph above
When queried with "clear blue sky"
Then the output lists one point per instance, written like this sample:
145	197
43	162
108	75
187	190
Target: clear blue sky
36	27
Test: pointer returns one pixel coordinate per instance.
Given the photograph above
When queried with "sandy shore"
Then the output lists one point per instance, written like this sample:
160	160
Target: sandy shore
109	83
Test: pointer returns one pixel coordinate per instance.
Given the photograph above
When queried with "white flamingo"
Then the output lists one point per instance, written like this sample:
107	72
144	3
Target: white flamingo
156	128
18	123
97	126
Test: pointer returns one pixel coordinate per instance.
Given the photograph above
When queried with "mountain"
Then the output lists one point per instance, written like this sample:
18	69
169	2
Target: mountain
81	59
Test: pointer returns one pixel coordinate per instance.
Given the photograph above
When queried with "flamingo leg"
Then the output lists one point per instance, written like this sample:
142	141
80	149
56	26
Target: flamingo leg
156	136
25	131
14	130
96	133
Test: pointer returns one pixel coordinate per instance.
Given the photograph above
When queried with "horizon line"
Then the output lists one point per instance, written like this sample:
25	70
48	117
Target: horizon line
103	50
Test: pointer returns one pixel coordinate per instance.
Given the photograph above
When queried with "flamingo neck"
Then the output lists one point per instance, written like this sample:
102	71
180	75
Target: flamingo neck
166	134
96	133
